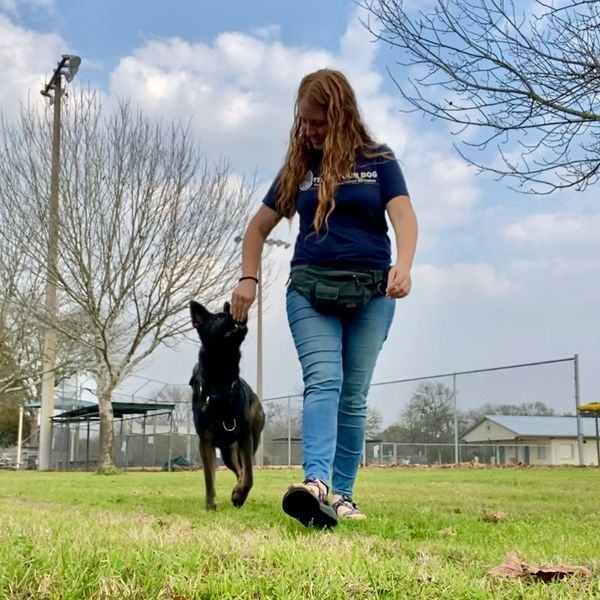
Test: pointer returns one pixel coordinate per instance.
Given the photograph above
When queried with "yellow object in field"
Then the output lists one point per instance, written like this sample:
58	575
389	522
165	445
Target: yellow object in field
590	407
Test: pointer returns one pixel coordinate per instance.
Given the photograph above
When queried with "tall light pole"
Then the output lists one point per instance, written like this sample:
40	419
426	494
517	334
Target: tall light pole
259	336
67	67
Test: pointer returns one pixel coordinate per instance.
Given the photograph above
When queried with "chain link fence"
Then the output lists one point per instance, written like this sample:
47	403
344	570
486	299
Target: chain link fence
441	416
519	414
526	413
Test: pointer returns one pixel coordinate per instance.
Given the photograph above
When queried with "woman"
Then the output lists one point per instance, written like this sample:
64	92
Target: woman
342	184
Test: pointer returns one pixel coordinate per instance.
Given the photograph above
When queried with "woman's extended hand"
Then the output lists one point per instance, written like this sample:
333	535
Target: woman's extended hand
242	298
399	282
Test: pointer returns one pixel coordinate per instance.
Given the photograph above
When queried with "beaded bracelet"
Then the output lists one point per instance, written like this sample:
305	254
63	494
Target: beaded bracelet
249	277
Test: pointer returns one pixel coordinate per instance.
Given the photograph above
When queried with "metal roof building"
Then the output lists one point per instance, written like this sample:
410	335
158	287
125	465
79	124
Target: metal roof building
537	440
538	426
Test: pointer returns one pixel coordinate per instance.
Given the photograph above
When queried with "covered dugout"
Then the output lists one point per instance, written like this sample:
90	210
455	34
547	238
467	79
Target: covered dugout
68	439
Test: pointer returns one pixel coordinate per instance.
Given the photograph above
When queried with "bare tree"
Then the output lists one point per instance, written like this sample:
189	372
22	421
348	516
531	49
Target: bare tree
527	80
281	421
373	423
181	396
10	398
19	345
146	224
429	415
21	338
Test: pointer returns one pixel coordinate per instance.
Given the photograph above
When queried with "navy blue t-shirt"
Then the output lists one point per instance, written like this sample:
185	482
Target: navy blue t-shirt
357	232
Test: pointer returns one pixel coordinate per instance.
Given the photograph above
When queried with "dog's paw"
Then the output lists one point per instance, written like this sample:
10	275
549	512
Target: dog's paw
211	505
238	496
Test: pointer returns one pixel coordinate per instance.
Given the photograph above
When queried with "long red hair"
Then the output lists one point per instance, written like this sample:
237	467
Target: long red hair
329	91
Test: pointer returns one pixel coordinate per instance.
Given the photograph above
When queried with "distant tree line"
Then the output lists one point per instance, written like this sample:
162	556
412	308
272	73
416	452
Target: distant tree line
429	416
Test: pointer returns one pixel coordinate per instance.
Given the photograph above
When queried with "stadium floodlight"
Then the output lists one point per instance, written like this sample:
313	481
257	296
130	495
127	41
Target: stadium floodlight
73	63
67	67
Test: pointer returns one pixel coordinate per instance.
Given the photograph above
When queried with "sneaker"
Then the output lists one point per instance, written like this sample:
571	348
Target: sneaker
307	502
345	508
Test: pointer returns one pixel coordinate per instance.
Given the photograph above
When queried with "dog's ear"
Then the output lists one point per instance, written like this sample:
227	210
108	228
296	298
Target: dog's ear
199	314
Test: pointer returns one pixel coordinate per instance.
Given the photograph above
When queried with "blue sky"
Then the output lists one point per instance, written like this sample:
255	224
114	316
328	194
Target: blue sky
500	278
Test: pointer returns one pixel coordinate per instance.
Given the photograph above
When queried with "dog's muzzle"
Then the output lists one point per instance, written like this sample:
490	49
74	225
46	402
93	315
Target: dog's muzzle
237	328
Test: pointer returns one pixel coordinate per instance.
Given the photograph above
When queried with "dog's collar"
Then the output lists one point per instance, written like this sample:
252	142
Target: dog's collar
217	396
232	427
229	425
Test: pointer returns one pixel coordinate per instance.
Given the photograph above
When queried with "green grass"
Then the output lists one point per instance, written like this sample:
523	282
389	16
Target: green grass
147	536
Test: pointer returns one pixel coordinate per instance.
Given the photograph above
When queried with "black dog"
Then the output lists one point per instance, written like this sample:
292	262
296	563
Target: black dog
227	414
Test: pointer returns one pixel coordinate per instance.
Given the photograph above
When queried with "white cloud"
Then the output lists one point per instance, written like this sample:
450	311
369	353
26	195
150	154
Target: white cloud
13	6
270	32
555	229
25	63
357	47
558	266
239	92
444	191
468	280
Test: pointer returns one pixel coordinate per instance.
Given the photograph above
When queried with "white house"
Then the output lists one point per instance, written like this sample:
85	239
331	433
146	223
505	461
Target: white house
536	440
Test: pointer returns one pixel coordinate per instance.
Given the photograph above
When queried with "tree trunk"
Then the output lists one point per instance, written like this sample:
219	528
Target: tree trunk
107	437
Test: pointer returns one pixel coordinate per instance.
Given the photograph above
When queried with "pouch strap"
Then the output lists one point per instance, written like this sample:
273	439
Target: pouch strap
370	276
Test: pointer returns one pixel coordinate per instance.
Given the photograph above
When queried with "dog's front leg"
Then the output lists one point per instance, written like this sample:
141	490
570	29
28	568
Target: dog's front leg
209	458
245	478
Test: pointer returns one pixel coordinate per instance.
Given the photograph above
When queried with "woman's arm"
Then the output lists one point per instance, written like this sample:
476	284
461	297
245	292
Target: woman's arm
404	222
259	228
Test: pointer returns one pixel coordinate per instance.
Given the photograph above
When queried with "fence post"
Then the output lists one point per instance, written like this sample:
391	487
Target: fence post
170	434
289	416
20	437
121	442
144	442
189	433
456	451
68	448
577	413
87	446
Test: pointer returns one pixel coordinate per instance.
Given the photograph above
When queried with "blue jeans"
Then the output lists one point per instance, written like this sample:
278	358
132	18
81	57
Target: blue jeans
337	356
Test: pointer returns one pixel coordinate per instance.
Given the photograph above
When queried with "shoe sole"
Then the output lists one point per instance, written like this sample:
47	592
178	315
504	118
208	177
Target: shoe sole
302	505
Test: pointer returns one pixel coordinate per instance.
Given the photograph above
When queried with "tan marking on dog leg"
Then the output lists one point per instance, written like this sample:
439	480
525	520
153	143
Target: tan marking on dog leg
209	459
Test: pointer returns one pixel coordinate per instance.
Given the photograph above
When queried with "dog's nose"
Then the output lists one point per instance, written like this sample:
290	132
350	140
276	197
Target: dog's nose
238	326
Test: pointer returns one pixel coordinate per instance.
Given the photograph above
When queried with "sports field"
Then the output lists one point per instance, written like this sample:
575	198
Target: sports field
431	534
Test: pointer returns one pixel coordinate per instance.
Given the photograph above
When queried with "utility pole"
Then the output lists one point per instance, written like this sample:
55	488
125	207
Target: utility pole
67	66
260	455
260	458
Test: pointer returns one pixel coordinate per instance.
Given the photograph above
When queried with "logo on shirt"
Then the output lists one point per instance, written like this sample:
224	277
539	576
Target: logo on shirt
356	177
360	177
307	182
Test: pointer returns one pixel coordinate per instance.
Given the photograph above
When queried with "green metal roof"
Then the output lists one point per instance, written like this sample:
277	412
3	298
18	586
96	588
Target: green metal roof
120	409
61	403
